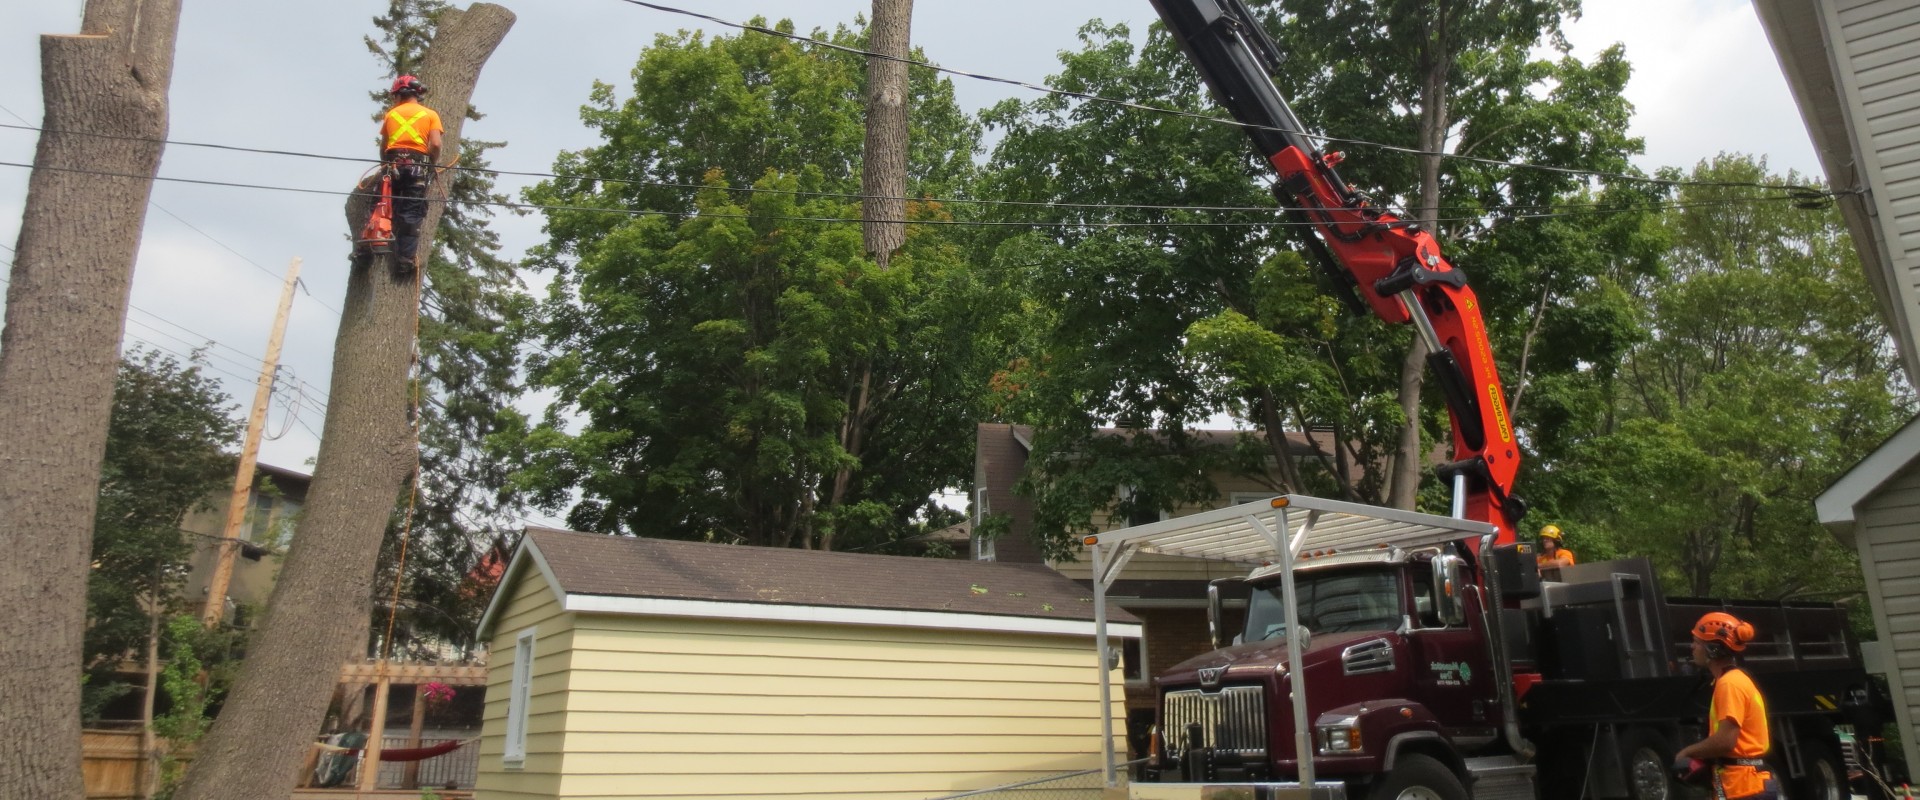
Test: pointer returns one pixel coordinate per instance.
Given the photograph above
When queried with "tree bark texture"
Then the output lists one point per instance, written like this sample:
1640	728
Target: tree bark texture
317	616
66	306
1410	458
883	173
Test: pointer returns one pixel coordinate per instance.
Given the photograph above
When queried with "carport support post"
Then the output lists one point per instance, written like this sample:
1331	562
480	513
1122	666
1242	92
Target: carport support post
370	757
1100	645
1286	542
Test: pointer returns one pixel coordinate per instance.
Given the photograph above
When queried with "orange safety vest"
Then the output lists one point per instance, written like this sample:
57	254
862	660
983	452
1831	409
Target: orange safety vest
408	125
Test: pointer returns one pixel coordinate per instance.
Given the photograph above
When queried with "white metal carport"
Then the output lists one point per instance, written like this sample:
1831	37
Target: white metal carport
1267	532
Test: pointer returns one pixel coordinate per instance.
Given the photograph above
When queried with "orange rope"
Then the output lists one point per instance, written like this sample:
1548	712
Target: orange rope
413	495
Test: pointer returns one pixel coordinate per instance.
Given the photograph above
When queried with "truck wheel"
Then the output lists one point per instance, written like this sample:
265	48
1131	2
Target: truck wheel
1825	778
1418	777
1647	756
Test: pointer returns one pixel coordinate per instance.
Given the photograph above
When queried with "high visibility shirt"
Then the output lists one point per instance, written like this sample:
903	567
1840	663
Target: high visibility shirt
1560	557
1736	698
409	126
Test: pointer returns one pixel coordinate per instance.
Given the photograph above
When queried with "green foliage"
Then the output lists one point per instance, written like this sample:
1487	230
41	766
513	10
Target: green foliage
473	311
716	345
166	455
1759	373
1167	324
198	669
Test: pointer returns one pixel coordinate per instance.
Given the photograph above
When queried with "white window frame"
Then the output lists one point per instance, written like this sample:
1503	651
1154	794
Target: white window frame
519	693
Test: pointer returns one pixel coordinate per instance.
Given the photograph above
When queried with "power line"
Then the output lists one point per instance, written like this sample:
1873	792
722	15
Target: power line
183	221
1128	104
1802	193
1275	223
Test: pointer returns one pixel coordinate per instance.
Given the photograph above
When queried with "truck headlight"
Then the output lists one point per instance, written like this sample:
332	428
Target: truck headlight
1339	736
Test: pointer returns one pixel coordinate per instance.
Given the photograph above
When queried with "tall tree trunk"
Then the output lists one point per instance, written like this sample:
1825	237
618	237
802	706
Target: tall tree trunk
883	173
318	613
883	179
1410	458
72	270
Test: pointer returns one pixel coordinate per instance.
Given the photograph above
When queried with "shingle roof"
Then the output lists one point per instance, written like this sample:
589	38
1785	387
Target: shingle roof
622	566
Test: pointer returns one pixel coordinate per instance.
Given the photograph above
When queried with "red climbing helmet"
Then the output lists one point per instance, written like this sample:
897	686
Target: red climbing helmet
407	84
1722	628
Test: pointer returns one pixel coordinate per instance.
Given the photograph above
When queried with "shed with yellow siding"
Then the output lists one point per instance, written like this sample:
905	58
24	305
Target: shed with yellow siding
643	668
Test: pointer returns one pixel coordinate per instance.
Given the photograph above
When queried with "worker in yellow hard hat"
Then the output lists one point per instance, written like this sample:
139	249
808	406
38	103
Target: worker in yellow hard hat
1553	552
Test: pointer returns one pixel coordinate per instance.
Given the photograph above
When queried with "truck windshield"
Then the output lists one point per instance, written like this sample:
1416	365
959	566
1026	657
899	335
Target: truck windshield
1329	603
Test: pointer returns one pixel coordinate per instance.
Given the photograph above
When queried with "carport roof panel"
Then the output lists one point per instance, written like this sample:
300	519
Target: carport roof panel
1226	534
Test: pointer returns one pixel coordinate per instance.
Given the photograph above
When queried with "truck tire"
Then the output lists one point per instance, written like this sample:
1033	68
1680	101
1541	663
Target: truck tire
1647	757
1419	777
1826	776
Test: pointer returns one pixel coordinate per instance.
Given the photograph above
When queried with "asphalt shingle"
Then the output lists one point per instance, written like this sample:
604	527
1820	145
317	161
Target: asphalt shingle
623	566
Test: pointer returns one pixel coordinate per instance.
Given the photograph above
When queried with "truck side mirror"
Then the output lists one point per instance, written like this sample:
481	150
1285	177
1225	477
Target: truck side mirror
1448	603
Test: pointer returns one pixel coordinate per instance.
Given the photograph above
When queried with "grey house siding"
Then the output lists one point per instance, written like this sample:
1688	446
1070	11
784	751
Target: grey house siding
1875	45
1888	536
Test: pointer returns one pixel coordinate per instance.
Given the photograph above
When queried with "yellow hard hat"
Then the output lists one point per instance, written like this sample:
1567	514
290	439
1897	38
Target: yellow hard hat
1551	532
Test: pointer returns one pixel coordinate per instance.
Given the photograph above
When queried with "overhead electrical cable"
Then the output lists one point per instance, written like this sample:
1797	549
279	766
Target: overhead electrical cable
930	222
1094	98
27	125
1800	192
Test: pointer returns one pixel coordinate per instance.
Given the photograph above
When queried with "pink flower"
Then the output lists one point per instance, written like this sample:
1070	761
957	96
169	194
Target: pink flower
436	692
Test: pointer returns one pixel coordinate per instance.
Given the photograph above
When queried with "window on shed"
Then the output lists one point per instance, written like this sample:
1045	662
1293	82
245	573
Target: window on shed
517	697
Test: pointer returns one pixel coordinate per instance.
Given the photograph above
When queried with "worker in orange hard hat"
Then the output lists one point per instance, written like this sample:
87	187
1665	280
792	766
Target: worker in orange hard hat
1553	552
410	135
1736	719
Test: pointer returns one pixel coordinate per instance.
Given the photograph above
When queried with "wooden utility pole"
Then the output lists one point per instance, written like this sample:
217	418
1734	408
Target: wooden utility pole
249	454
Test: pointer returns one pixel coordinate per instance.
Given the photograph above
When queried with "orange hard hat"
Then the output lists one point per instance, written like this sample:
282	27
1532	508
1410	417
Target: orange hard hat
1723	628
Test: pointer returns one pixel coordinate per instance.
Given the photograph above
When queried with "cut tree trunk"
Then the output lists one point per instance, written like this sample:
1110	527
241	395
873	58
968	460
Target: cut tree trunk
1410	458
317	616
883	169
883	179
66	305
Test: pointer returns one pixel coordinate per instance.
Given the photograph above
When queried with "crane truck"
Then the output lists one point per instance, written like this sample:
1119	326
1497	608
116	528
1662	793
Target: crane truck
1442	665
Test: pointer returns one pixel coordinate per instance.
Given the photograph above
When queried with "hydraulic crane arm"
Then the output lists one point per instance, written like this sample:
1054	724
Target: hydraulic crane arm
1394	265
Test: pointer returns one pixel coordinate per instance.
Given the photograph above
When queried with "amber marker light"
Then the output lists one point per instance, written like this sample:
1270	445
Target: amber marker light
1091	540
1279	502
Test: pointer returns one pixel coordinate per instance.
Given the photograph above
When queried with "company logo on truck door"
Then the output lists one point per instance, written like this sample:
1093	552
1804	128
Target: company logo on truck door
1452	673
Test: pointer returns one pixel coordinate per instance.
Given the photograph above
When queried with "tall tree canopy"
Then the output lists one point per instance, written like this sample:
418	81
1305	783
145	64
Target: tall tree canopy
1182	315
167	453
1759	374
714	318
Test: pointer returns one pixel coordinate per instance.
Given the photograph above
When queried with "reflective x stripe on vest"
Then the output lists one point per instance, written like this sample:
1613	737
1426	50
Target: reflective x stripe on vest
403	133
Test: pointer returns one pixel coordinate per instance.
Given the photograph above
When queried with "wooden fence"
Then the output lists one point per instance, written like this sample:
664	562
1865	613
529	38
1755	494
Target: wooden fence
110	760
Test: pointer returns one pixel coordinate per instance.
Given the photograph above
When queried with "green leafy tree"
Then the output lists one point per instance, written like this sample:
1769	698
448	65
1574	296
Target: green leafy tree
473	309
1764	373
710	346
166	455
1183	315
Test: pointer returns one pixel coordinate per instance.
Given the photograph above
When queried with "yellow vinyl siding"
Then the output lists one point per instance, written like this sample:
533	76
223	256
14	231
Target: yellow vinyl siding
664	707
531	605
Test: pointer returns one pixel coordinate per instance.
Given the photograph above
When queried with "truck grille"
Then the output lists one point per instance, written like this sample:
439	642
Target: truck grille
1232	720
